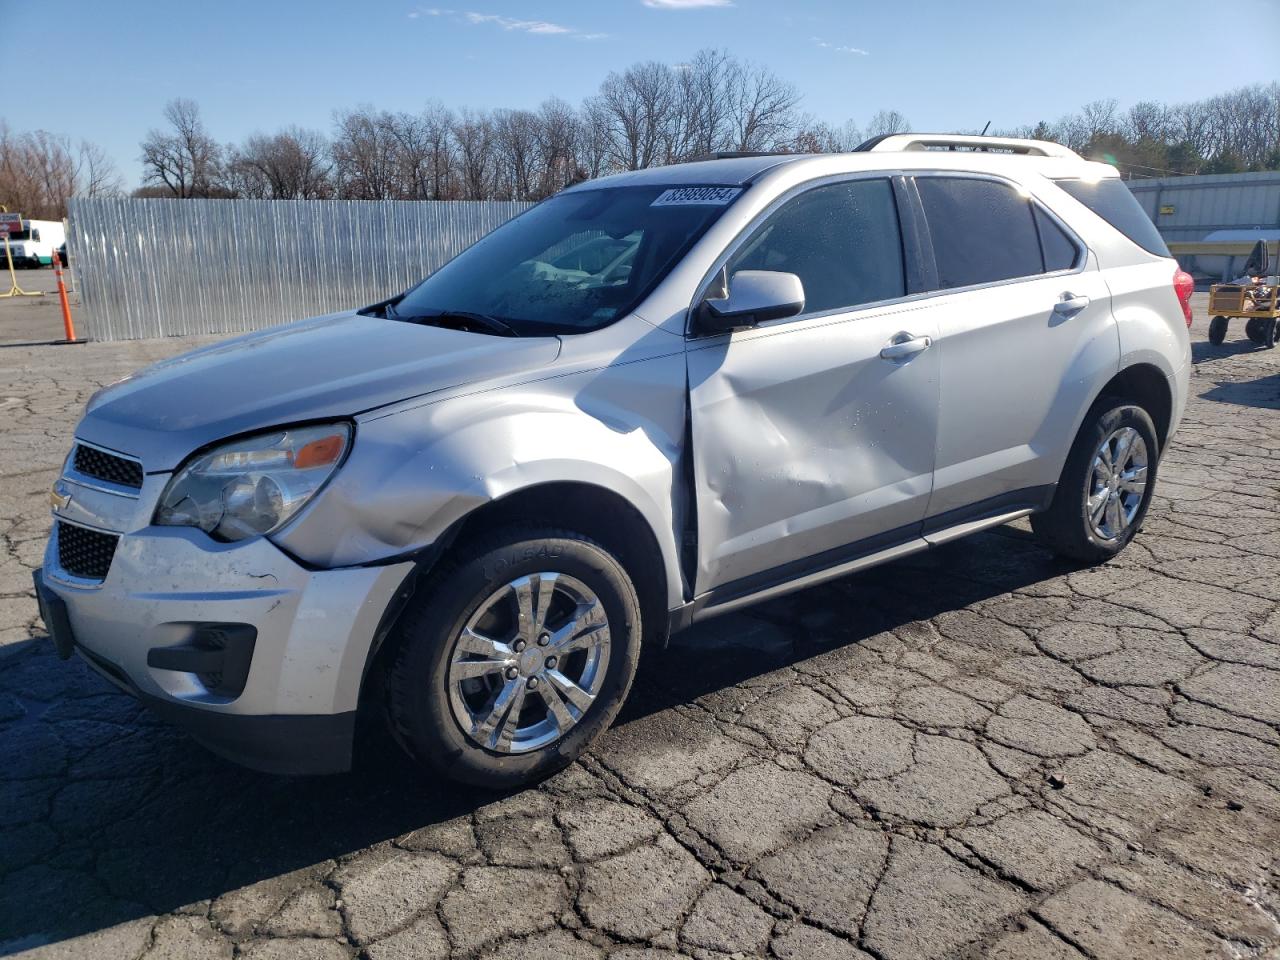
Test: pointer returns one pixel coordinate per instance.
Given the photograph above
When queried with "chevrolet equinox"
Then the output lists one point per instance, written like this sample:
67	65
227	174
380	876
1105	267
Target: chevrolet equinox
650	399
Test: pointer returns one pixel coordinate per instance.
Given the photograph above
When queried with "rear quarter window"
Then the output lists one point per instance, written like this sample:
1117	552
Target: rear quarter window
1060	251
1111	200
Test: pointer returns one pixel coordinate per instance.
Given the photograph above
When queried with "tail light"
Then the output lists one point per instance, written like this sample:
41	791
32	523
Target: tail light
1184	285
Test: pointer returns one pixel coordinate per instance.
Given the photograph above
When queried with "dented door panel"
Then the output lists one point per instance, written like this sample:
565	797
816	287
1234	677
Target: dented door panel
806	439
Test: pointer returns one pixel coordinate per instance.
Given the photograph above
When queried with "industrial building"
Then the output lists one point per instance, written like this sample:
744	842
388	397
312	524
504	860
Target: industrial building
1212	222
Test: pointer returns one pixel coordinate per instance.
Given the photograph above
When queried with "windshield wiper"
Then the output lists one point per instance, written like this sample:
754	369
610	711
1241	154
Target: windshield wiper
490	323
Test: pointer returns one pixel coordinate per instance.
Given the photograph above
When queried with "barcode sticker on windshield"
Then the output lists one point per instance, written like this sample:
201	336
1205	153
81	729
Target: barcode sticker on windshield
704	196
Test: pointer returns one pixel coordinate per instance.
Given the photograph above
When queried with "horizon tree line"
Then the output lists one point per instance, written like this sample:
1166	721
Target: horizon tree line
648	114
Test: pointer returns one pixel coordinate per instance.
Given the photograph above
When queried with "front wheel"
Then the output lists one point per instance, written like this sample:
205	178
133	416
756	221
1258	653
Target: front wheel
1269	333
1217	330
1106	484
515	658
1255	329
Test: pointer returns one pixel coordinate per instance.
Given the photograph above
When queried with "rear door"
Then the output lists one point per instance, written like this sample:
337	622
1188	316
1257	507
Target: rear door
1026	339
808	444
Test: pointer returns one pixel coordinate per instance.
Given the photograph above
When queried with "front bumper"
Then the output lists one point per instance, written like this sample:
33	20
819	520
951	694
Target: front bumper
312	632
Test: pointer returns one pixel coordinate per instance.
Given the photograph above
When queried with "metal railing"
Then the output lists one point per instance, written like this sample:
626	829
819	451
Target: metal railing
159	268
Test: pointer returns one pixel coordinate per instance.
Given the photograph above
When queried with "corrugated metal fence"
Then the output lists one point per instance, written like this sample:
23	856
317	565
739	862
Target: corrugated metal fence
1191	208
156	268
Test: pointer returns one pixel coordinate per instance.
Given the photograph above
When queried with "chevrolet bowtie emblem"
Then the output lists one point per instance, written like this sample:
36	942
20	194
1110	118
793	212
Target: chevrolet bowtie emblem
59	496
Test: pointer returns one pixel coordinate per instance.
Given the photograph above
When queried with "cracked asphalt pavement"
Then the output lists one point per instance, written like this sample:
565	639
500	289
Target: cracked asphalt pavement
976	752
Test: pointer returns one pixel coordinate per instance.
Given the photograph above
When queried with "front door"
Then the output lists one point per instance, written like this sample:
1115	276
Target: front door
808	443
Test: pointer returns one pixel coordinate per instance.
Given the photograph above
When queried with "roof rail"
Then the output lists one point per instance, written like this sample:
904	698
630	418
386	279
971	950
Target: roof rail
956	141
738	155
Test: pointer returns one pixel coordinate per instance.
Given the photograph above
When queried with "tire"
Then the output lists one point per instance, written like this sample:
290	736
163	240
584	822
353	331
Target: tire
1253	329
444	692
1269	333
1217	330
1069	527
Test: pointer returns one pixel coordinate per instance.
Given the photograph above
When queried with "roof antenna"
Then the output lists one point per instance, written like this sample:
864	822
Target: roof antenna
985	129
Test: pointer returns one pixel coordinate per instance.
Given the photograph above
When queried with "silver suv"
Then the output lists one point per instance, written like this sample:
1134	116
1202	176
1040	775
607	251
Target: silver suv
649	400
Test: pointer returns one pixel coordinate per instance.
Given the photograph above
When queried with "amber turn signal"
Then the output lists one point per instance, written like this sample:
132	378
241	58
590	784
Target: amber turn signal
320	453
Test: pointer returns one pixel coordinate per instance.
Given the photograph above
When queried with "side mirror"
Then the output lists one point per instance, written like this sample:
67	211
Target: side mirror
754	296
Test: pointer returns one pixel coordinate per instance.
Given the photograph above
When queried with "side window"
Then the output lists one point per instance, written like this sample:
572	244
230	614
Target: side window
1059	250
1115	203
35	235
982	231
842	240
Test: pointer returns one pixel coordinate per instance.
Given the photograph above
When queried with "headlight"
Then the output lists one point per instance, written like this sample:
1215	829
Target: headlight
255	485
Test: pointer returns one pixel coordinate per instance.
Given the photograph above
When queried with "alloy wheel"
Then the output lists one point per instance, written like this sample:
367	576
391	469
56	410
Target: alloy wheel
529	663
1117	483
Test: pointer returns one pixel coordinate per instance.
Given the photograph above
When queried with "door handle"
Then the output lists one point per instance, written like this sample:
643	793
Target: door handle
904	345
1069	305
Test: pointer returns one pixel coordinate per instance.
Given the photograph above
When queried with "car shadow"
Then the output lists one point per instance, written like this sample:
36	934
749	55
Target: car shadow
1263	392
1202	351
110	815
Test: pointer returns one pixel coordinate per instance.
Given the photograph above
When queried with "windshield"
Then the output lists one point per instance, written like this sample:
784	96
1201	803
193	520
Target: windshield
576	262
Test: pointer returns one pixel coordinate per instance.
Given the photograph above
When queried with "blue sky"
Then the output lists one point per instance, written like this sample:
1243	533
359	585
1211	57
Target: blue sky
261	65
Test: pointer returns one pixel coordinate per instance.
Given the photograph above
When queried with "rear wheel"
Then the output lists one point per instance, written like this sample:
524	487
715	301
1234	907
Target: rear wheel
1106	484
1217	330
1269	333
1255	330
516	658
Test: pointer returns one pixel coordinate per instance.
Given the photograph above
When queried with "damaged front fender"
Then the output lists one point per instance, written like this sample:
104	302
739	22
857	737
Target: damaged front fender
416	470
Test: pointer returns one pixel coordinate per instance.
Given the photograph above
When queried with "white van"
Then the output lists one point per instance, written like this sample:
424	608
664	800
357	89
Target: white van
35	243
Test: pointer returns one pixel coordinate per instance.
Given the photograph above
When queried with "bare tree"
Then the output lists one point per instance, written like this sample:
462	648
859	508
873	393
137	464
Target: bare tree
595	141
559	143
365	155
815	136
40	171
1147	120
647	114
761	107
705	108
184	159
473	134
293	164
410	145
887	121
437	135
637	105
515	143
1099	118
96	174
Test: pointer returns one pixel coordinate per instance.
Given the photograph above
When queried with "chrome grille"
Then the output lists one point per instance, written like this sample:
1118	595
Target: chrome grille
101	465
85	553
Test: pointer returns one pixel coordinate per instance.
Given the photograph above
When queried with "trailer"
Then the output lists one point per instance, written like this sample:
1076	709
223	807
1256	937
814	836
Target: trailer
1254	298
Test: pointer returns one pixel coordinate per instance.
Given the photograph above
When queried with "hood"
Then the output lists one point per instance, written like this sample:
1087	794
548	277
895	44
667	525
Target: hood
328	367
